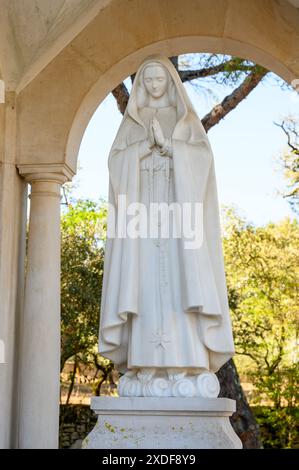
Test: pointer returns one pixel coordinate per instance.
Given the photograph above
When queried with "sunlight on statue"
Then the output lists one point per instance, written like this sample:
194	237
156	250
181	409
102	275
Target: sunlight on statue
164	313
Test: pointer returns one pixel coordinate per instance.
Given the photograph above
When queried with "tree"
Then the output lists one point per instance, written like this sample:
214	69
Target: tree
82	262
262	265
290	161
243	76
262	279
239	73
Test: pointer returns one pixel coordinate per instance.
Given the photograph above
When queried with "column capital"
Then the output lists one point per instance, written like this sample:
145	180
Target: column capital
48	172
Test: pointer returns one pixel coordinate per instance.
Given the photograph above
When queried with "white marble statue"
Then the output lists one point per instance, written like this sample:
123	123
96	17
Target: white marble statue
164	311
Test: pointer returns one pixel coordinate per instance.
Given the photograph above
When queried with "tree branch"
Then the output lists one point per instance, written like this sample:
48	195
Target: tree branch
291	194
287	133
121	95
231	101
66	203
188	75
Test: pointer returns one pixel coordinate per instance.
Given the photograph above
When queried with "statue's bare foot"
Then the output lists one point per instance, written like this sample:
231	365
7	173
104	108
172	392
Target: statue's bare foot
146	374
175	373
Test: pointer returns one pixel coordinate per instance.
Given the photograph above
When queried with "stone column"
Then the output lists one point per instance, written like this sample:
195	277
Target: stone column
40	329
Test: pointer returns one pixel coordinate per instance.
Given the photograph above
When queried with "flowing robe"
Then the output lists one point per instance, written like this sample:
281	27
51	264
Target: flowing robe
188	325
161	335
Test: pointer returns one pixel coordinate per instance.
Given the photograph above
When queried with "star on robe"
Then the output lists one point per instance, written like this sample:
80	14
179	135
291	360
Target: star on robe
161	339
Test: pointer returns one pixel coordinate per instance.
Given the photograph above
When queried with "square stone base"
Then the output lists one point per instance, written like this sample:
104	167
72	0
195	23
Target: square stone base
162	423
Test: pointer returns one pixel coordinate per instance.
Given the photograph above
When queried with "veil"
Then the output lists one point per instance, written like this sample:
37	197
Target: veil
189	127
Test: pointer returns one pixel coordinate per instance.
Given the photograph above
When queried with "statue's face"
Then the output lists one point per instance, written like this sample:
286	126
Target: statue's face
155	80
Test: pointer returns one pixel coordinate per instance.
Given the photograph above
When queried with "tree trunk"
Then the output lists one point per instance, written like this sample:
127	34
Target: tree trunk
231	101
98	387
71	387
243	420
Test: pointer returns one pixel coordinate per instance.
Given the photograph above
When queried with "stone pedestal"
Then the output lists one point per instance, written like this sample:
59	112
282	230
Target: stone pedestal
162	423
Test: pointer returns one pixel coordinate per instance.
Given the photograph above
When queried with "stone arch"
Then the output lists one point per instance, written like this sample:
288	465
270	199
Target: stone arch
53	113
129	65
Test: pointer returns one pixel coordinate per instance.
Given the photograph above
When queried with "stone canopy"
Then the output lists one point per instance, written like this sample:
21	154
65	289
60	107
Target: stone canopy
58	61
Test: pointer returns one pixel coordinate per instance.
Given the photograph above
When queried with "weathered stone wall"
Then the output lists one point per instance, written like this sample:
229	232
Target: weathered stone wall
76	421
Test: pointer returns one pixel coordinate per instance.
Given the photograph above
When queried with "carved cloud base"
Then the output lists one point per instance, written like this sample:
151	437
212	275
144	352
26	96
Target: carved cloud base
162	423
168	383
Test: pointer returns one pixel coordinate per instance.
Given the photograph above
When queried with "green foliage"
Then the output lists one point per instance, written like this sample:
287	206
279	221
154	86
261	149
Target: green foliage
224	69
219	74
82	253
104	371
262	267
279	427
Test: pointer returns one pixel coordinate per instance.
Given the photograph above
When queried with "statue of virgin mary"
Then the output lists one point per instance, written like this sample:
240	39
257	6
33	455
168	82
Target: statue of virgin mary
164	311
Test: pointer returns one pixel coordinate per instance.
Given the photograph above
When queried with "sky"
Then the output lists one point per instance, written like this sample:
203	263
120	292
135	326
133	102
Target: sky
246	147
